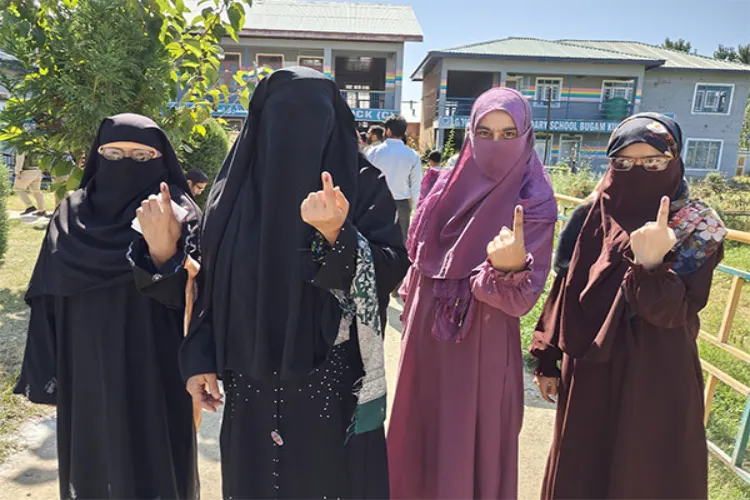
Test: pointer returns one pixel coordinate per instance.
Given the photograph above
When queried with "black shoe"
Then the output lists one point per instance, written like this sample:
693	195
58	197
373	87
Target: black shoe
29	211
41	213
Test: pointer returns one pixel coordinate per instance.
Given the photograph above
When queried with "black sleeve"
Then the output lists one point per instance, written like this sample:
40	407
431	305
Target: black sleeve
198	351
38	379
566	243
374	216
166	284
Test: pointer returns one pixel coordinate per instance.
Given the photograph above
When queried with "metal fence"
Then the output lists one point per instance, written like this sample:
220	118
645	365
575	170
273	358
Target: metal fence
721	340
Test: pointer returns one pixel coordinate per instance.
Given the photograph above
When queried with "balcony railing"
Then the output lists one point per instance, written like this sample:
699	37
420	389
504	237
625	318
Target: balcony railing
614	110
369	99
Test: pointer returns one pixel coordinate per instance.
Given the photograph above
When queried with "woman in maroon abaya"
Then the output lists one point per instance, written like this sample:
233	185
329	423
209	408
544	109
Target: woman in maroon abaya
634	268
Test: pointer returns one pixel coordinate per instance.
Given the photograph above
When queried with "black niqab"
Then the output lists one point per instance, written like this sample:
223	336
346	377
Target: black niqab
267	317
89	234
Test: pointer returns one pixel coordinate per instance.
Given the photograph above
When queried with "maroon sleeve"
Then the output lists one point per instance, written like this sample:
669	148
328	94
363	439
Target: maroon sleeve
547	332
663	298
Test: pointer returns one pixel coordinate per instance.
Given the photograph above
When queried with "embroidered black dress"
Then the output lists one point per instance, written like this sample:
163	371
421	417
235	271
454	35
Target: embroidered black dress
265	320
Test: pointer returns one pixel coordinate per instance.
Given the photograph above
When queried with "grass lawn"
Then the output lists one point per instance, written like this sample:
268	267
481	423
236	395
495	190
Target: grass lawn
23	247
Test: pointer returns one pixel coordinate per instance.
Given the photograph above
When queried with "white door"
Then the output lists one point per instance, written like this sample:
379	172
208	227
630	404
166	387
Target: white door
570	149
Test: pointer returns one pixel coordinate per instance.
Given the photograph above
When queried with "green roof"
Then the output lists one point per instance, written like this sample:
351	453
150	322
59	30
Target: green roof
673	59
534	48
651	56
339	20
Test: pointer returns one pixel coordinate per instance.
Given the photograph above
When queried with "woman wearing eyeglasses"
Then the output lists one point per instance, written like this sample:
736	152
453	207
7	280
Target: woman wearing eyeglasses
634	269
104	332
481	246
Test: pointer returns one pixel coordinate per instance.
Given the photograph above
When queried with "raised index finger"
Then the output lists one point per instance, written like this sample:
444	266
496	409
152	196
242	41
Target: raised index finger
328	186
663	218
165	198
518	223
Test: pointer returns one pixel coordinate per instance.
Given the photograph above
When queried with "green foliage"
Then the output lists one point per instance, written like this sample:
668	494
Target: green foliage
86	59
679	45
4	222
578	185
449	149
205	152
729	197
741	54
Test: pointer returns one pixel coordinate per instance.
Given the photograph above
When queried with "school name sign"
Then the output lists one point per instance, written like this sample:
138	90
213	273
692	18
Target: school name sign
572	126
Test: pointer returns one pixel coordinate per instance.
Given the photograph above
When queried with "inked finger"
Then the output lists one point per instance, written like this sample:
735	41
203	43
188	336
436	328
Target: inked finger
663	217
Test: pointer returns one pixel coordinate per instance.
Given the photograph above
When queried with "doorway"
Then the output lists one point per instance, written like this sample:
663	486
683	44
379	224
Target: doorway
570	149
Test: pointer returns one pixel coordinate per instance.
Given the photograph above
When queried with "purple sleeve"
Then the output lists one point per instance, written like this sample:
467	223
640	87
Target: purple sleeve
516	293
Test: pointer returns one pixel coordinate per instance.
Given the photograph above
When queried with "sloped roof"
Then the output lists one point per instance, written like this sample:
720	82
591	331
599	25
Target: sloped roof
332	20
534	48
673	59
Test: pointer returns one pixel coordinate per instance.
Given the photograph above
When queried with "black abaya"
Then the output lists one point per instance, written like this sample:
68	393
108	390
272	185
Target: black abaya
104	332
266	320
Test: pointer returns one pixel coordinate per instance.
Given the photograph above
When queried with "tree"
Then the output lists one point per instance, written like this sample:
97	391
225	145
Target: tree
743	53
725	53
205	152
740	55
680	45
87	59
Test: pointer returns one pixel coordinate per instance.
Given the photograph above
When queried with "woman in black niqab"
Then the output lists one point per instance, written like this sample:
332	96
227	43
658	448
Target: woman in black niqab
106	325
266	320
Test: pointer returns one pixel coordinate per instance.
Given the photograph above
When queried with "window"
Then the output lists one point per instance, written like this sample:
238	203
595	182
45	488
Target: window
541	146
315	63
703	154
273	61
615	89
229	67
548	88
712	98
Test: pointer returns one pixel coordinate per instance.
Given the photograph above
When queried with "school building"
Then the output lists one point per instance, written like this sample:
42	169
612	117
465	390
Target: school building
359	45
580	90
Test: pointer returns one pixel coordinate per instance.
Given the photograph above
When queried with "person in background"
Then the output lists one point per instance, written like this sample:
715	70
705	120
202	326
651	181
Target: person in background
29	178
363	146
375	136
634	269
434	160
300	248
198	181
481	246
106	322
402	168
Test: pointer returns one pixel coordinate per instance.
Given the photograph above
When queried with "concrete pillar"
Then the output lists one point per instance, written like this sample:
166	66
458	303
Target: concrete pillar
328	68
638	94
399	77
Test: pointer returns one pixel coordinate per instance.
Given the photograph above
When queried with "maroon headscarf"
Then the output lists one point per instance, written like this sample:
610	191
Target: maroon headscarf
469	204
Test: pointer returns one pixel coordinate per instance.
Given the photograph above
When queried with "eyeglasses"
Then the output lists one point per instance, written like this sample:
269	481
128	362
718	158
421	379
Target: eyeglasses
139	155
649	163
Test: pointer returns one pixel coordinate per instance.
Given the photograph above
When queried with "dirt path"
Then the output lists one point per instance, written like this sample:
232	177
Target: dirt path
32	473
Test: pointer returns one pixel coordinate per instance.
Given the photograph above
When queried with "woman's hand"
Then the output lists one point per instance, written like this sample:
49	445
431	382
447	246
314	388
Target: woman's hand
160	227
326	210
204	389
507	252
654	240
548	387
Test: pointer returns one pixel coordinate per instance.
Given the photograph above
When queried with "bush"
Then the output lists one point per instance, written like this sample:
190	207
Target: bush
729	197
4	222
206	153
578	185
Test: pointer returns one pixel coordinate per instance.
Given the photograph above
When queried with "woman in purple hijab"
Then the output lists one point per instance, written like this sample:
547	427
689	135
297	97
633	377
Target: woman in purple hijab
459	400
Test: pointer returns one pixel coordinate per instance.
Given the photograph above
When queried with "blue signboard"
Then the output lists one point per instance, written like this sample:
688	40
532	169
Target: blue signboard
230	110
373	115
580	126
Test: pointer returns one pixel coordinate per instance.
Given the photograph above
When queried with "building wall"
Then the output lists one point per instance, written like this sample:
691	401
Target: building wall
291	49
430	96
673	92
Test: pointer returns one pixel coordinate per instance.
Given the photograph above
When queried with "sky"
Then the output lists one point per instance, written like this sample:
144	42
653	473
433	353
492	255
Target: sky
704	23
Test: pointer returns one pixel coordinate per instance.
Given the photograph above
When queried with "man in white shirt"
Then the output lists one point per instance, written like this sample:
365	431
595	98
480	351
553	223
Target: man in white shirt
375	137
402	168
29	179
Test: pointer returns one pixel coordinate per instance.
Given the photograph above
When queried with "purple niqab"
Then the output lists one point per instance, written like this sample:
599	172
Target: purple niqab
469	204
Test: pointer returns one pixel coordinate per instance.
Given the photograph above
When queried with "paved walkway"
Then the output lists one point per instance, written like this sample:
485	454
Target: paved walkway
32	473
